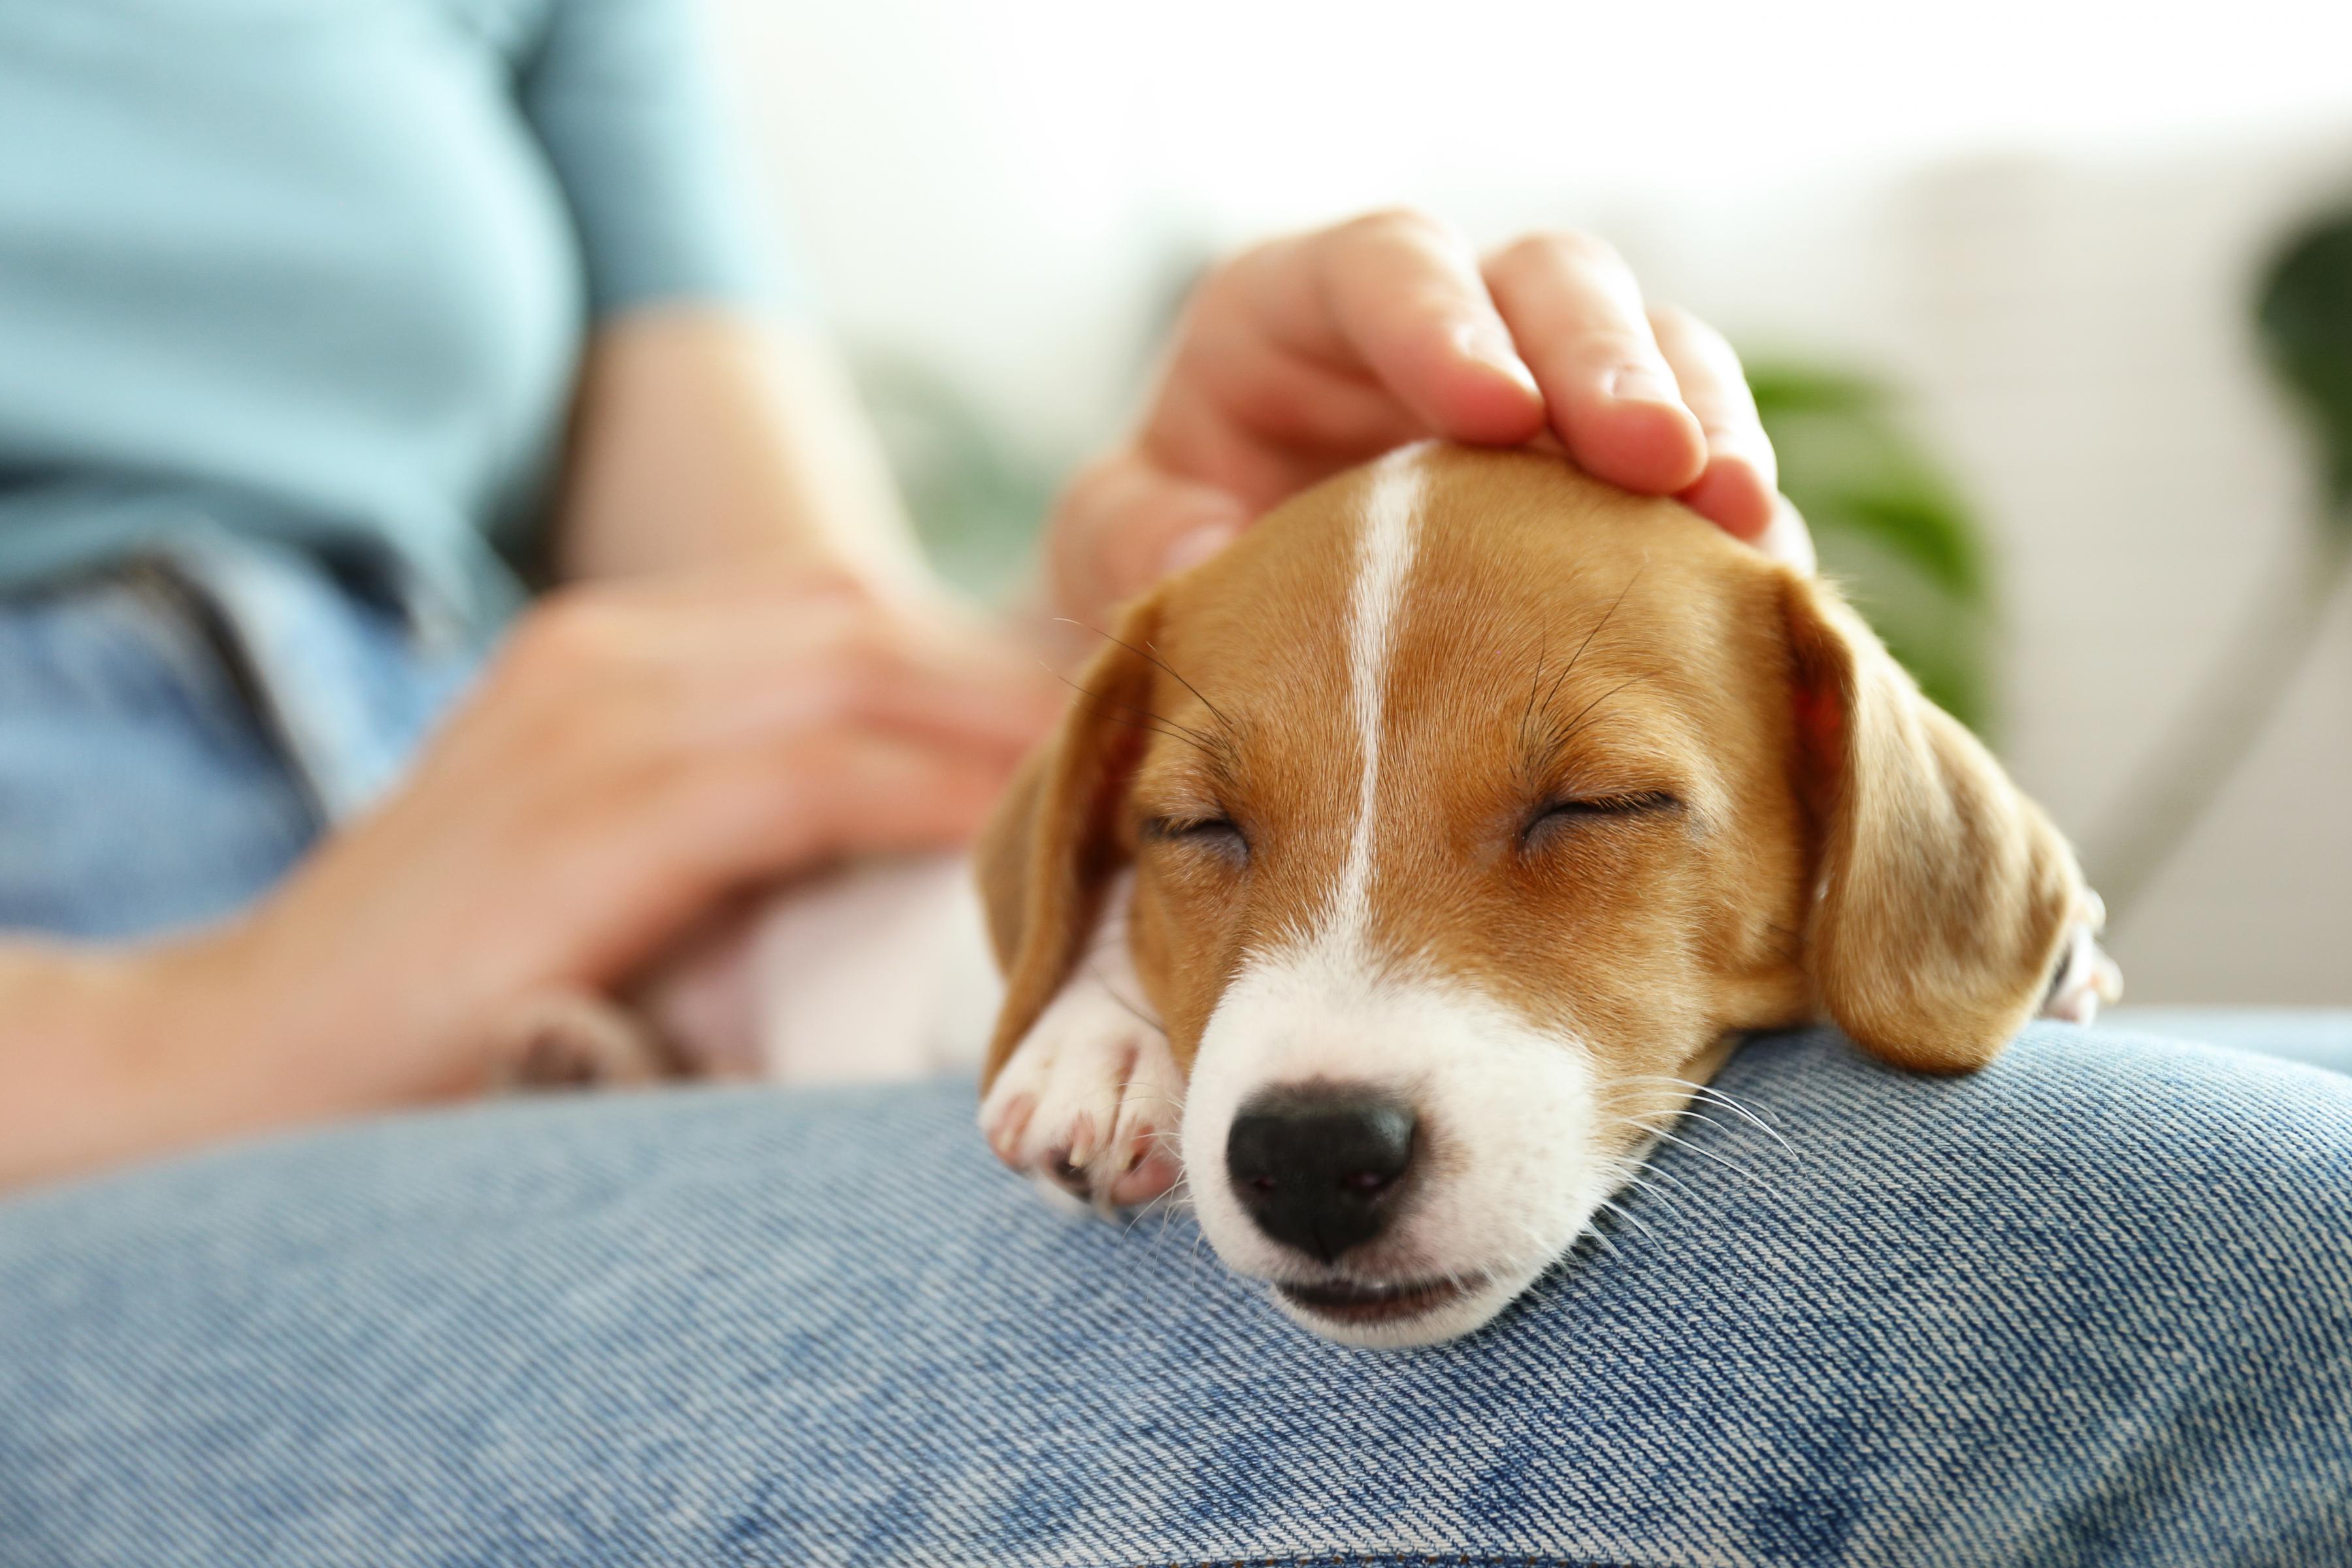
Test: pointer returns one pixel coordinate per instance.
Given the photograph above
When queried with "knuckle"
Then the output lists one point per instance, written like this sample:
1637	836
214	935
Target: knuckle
832	580
1675	318
845	689
1674	322
1552	250
572	630
867	653
1612	346
1395	225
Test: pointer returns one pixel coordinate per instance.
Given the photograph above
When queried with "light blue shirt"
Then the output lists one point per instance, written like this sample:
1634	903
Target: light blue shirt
321	269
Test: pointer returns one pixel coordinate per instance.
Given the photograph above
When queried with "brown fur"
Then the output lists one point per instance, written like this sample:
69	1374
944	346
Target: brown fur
1558	638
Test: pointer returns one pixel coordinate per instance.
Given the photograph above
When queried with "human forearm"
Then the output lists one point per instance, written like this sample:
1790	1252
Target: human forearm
637	751
706	437
112	1052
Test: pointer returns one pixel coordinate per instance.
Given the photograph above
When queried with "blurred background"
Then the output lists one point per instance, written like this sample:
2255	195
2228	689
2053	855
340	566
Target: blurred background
2001	271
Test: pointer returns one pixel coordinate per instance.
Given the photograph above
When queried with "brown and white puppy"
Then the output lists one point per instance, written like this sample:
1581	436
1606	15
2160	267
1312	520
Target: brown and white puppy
1406	866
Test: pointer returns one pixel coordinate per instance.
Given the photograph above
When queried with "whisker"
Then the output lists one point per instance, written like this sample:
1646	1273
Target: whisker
1150	653
1687	1114
1132	1008
1535	684
1576	725
1716	1097
1687	1190
1595	632
1156	658
1626	1215
1159	723
1635	1180
1741	1172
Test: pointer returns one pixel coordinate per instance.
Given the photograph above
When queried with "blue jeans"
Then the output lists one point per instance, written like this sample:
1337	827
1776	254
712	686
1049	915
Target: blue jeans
2091	1306
175	734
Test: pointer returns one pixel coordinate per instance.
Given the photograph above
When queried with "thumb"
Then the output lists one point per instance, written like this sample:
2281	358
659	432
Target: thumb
1124	523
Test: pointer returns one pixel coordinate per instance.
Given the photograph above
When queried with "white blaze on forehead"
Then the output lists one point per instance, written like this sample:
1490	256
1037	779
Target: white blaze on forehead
1384	551
1514	1100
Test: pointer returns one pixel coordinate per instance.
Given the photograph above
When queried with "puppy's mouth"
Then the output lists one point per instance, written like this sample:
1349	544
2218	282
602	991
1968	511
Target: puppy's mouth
1361	1305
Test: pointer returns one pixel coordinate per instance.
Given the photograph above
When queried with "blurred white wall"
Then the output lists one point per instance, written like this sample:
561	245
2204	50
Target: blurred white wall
2042	218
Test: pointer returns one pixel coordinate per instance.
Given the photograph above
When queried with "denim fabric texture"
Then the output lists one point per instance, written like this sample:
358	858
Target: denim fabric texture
2091	1306
175	732
2319	1036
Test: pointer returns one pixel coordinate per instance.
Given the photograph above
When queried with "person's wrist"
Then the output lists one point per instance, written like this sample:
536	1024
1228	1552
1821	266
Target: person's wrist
206	1031
136	1050
327	1016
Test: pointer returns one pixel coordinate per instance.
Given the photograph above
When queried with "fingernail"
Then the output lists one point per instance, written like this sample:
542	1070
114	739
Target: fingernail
1191	549
1637	385
1490	345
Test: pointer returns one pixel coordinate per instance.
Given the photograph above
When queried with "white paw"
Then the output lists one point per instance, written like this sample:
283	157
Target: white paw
2086	978
1090	1102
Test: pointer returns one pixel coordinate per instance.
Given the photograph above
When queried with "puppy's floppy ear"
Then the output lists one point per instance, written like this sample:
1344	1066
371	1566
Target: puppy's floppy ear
1943	894
1054	839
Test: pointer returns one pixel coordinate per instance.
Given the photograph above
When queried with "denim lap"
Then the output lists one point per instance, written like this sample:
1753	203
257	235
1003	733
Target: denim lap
2092	1306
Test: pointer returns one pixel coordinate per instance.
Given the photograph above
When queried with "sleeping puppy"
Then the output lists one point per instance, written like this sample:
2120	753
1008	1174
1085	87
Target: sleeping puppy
1404	866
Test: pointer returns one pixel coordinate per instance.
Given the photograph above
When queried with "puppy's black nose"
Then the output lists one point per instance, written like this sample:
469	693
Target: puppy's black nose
1317	1166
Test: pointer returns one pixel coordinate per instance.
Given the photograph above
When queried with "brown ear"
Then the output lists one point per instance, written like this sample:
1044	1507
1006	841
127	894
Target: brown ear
1943	894
1053	840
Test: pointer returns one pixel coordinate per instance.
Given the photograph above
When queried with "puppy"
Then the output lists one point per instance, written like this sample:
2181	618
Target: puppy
1404	867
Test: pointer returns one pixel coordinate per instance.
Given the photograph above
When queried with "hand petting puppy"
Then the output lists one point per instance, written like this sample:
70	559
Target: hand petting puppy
1309	354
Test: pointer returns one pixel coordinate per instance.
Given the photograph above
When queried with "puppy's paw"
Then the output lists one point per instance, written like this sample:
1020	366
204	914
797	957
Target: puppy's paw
2086	978
1091	1100
570	1039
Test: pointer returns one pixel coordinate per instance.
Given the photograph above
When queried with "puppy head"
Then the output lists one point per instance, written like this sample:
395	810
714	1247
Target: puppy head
1470	805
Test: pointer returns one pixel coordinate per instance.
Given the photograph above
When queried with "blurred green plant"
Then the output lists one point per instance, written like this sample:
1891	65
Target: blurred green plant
2303	313
976	495
1892	529
1890	526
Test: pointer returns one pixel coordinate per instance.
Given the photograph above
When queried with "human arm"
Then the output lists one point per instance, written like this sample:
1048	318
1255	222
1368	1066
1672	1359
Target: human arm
712	422
705	435
637	751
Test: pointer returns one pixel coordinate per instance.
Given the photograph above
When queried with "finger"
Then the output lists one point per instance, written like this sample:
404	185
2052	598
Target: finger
1574	309
1263	408
1787	539
1400	293
707	671
616	871
955	680
1124	523
786	809
1738	491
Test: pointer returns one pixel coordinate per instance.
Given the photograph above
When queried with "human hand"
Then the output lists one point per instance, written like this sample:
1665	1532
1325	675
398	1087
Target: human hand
1311	354
636	752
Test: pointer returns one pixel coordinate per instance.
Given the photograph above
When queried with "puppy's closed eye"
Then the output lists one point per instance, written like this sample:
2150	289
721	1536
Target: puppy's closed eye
1218	836
1549	821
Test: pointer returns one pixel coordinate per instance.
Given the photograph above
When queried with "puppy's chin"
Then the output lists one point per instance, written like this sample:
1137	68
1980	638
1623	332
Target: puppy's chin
1404	1316
1420	1290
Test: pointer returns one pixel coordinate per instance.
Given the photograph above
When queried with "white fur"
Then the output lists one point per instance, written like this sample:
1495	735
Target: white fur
1509	1111
876	971
1091	1097
1385	553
